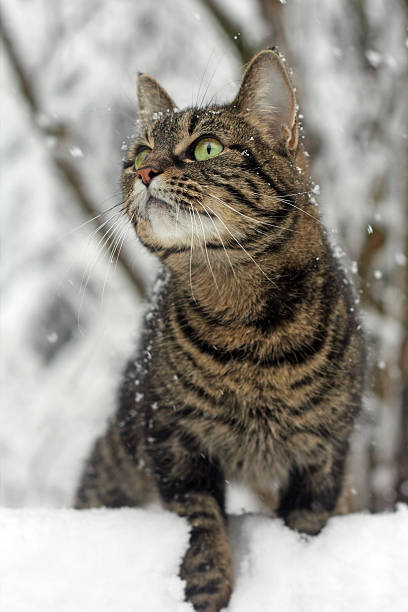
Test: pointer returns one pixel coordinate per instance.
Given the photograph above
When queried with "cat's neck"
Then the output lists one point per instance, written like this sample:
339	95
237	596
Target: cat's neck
237	290
225	295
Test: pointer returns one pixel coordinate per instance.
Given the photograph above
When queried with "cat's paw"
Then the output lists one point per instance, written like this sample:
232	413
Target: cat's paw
307	521
207	571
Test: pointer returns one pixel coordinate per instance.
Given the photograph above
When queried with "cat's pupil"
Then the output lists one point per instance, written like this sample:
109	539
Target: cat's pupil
209	148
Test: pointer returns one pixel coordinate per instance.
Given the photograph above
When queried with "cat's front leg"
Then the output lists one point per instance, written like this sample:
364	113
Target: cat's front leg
314	486
206	566
193	487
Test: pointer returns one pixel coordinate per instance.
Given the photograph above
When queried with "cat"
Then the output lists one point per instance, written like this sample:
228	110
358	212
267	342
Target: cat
251	364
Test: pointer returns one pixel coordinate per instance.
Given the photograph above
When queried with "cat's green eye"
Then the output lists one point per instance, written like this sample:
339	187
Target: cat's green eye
207	148
140	157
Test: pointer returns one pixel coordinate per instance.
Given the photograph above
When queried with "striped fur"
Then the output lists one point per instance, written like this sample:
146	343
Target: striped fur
251	364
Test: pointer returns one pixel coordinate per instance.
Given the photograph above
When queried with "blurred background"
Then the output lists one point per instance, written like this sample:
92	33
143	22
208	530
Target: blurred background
74	280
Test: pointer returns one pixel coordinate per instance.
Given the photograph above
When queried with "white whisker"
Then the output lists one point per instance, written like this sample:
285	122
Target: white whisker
240	245
207	256
117	247
243	214
104	240
191	256
219	236
104	212
115	216
285	201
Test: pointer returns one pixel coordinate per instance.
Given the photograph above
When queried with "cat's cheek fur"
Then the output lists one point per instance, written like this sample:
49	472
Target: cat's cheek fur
137	207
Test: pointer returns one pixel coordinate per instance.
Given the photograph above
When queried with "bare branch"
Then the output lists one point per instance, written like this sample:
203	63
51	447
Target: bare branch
402	458
231	29
68	172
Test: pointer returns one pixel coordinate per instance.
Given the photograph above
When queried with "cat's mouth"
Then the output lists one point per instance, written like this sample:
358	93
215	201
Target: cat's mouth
171	208
153	202
176	223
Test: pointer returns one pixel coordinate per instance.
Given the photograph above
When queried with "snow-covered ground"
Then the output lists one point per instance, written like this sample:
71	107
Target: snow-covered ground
127	561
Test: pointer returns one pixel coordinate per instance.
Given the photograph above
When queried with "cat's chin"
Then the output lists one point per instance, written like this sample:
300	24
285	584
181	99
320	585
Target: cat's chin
168	228
161	224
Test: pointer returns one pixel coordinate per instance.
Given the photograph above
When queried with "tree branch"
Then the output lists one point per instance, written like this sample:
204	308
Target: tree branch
66	169
231	29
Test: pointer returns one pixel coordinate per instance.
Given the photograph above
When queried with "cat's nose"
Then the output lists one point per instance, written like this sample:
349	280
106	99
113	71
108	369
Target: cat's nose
147	174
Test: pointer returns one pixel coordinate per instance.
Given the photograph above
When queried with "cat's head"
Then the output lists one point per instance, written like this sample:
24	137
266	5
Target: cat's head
217	175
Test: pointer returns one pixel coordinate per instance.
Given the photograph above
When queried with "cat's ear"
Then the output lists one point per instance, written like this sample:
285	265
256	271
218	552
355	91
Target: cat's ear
152	98
267	97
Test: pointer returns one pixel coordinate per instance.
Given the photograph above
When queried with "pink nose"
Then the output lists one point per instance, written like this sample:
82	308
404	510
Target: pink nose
146	174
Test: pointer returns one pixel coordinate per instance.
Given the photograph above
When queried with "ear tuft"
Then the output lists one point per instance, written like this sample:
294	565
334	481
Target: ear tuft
267	98
152	97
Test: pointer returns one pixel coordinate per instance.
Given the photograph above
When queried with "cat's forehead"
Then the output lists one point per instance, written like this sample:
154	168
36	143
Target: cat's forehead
167	125
173	126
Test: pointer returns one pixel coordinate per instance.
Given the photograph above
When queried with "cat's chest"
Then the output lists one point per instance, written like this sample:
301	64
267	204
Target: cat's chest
219	392
240	426
250	443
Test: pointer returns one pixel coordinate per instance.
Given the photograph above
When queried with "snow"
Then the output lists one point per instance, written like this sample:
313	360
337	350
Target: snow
69	321
66	560
128	559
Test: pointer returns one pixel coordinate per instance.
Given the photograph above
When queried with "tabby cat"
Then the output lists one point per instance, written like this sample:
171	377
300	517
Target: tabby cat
251	363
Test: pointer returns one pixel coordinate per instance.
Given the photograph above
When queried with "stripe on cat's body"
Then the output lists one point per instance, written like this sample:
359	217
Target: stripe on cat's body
251	363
